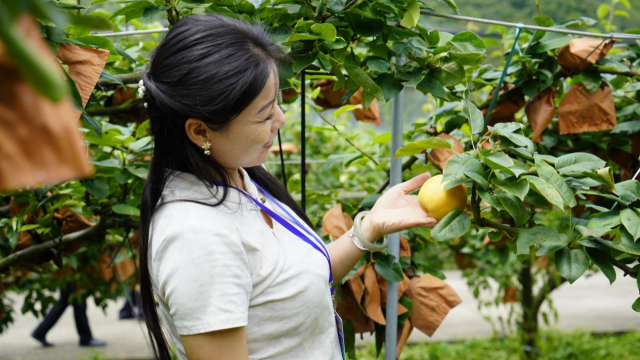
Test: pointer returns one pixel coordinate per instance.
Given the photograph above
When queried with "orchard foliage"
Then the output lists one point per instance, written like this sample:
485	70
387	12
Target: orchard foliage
566	197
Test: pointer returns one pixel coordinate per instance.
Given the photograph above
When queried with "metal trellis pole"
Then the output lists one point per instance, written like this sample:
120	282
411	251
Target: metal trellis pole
303	141
391	335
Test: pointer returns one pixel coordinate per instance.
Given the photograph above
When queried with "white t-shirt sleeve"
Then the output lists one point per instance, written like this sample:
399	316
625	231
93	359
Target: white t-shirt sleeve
204	276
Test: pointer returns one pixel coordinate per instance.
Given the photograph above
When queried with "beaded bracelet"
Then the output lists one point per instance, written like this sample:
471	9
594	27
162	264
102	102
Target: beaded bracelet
358	238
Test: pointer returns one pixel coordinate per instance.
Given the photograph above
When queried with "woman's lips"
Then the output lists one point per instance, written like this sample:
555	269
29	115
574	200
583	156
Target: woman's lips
268	145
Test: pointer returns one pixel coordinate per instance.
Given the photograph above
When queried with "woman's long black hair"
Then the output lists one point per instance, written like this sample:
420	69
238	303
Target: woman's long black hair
208	67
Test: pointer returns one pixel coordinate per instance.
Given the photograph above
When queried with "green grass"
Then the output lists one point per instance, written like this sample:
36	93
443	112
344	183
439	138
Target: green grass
554	345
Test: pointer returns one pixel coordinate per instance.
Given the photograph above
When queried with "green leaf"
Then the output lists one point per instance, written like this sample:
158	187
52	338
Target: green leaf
411	16
551	41
473	114
326	31
545	240
636	305
514	207
346	108
549	174
107	78
591	80
601	259
452	5
543	20
454	225
628	127
490	199
625	244
93	123
602	11
453	183
571	263
606	220
469	42
30	227
577	162
631	221
499	161
133	10
431	85
140	172
454	169
114	163
125	209
474	170
516	187
96	187
417	147
450	74
628	190
546	190
390	85
391	271
362	78
338	74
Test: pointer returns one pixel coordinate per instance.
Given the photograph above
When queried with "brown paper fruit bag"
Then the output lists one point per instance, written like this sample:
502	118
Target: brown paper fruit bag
579	54
40	142
540	111
440	156
581	111
332	99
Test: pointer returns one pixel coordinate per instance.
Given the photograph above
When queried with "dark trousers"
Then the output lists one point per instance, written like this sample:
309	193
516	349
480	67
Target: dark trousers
79	314
127	310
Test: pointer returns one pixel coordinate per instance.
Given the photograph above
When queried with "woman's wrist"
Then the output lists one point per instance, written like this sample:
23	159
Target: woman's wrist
369	231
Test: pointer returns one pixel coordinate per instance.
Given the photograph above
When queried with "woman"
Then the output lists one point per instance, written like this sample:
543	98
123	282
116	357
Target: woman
224	249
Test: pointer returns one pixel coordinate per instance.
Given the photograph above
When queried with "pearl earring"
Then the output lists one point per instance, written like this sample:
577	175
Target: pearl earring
206	146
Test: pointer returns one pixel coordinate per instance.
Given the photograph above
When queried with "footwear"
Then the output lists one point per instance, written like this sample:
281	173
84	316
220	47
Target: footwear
93	342
41	340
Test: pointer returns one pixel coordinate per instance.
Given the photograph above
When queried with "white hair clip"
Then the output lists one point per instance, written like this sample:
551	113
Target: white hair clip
141	90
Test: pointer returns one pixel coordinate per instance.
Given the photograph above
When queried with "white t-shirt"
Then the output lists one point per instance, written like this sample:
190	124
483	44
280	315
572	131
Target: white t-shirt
222	267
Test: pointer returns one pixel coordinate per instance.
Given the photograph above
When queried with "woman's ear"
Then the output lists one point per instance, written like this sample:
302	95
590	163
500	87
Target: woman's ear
197	131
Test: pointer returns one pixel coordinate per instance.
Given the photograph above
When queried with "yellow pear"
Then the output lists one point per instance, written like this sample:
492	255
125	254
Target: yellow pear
438	203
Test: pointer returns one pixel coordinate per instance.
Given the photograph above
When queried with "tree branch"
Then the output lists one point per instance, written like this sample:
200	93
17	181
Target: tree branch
622	266
552	284
32	251
4	210
344	136
407	164
113	110
484	222
132	78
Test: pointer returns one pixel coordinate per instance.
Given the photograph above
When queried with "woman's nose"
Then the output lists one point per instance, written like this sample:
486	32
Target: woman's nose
281	119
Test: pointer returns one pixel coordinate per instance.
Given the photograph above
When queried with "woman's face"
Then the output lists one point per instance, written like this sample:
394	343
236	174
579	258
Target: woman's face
248	138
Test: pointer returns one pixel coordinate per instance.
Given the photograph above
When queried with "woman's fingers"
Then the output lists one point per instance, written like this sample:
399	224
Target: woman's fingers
415	183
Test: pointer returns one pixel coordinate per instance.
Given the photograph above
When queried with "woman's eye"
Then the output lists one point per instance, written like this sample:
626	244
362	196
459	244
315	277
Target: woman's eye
269	117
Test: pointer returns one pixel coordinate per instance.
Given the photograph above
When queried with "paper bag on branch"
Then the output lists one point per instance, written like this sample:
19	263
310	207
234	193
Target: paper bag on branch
39	140
332	99
70	222
579	54
287	148
581	111
348	308
85	66
440	156
540	111
335	222
432	300
505	110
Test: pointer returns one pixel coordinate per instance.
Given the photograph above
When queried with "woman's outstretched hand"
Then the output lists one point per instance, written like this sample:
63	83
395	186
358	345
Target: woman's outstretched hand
396	210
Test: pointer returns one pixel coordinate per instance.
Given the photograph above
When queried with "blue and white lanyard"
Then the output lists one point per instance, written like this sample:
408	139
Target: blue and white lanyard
316	243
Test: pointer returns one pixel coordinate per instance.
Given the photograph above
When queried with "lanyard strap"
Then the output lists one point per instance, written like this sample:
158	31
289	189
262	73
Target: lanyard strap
292	229
304	228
